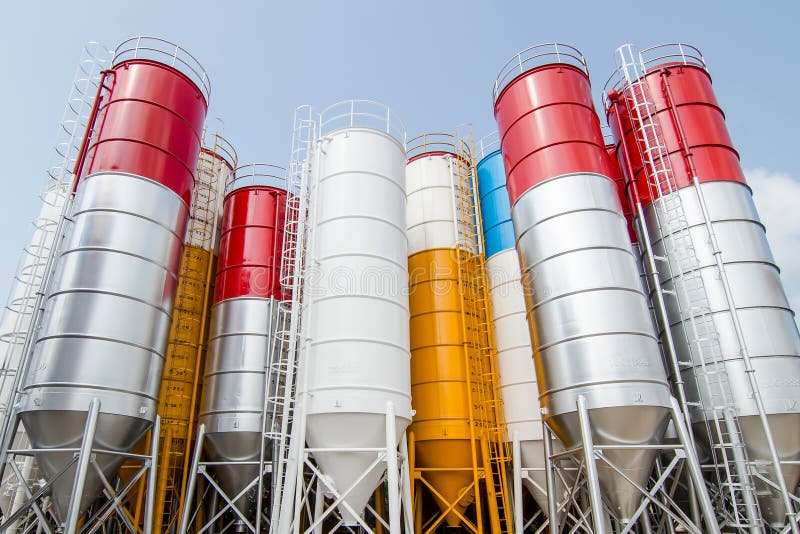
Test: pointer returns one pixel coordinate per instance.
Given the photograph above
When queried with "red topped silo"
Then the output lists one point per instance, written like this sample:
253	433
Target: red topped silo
250	244
585	305
107	314
149	124
548	124
700	216
245	320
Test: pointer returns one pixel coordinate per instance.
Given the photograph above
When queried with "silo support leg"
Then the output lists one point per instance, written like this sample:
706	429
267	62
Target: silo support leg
695	474
516	466
550	482
152	477
592	479
192	483
73	512
406	484
392	471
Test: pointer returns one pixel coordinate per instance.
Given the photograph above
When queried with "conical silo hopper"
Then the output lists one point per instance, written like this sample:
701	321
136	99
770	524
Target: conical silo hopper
107	312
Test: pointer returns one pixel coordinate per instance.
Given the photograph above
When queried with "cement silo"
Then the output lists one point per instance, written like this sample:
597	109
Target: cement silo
456	436
119	260
520	392
244	324
593	341
354	363
732	325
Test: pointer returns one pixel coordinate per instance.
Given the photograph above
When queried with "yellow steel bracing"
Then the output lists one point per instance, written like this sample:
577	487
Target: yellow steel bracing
454	362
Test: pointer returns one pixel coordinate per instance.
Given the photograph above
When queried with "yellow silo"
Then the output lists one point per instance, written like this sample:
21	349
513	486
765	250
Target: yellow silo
456	447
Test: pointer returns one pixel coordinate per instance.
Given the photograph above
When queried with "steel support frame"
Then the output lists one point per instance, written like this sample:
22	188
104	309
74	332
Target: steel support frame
199	470
540	520
313	485
85	457
655	496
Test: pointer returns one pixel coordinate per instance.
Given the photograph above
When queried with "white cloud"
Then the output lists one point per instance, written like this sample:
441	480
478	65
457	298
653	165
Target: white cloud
777	197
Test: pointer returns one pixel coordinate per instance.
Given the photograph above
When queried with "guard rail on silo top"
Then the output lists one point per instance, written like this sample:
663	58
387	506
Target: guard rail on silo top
733	326
457	431
242	340
120	260
584	299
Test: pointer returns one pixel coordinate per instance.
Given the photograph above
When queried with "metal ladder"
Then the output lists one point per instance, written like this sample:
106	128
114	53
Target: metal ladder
479	338
689	294
282	379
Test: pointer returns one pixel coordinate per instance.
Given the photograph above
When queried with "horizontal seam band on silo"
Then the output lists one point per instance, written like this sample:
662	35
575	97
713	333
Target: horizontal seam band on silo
330	176
367	217
728	310
172	274
237	334
153	103
626	250
402	348
83	291
698	269
363	255
508	315
99	338
145	179
101	209
81	385
430	220
515	347
237	411
590	174
702	224
537	222
577	385
360	387
541	348
387	300
540	303
254	372
147	144
518	383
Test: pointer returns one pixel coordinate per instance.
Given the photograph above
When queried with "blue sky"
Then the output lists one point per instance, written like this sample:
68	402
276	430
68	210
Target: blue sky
433	62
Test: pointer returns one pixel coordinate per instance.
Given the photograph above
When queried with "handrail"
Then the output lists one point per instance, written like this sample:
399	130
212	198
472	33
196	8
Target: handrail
166	52
538	56
651	59
671	54
256	174
362	113
488	144
436	142
222	148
